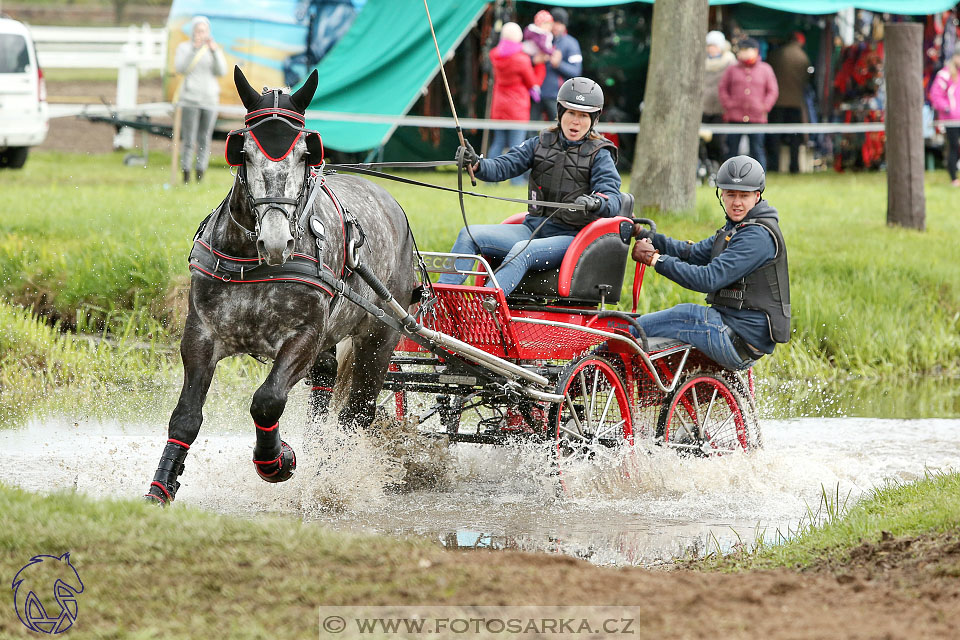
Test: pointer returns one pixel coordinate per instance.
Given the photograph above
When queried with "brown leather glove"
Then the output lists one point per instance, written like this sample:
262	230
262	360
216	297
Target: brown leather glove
641	232
643	251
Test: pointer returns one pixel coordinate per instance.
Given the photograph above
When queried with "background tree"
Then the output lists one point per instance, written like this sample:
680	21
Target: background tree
903	72
665	160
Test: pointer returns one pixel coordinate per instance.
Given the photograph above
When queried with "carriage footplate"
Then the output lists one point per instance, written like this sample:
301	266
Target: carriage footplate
164	487
271	465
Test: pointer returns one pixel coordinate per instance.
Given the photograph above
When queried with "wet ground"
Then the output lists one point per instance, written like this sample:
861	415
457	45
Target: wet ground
652	507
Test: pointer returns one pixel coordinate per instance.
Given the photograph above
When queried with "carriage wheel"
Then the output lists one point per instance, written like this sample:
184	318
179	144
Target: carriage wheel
708	415
594	416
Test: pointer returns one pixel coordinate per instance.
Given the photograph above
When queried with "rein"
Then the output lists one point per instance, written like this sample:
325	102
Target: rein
362	168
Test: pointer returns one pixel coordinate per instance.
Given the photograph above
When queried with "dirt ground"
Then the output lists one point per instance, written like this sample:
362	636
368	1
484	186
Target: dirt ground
895	589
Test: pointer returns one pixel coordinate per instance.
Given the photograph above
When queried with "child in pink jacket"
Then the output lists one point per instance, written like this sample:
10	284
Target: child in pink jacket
945	98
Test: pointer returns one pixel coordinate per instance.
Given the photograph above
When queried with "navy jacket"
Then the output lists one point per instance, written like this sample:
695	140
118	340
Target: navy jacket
604	177
571	65
690	266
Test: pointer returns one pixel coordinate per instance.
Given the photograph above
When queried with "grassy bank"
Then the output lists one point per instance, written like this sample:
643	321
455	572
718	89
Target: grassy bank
835	528
94	243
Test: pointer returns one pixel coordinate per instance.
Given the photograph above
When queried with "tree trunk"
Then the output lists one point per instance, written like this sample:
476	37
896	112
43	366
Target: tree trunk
664	168
903	71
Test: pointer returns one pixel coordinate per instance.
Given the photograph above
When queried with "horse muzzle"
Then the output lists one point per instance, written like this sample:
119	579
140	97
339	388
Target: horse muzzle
275	242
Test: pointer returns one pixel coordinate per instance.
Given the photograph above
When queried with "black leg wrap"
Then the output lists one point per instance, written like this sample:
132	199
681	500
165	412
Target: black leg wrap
278	469
322	377
164	487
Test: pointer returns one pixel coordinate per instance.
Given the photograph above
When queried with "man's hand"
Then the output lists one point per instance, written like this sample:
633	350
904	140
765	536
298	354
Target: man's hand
467	156
640	232
591	204
556	58
643	251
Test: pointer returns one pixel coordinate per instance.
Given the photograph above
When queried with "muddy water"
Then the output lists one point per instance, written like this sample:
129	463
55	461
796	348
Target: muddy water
648	507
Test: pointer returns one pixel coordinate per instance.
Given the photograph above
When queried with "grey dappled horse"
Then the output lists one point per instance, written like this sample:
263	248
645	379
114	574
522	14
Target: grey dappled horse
254	287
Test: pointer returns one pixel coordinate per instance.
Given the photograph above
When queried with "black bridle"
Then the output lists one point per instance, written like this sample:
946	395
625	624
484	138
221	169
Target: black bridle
261	206
269	203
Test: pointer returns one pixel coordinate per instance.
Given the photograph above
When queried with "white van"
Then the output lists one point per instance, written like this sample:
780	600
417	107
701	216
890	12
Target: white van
24	119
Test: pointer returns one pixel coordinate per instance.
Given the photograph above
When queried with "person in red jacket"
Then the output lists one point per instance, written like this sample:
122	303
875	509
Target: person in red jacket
513	86
748	90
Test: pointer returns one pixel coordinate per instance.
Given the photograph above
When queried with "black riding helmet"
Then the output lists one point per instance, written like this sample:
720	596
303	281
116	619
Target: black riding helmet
580	94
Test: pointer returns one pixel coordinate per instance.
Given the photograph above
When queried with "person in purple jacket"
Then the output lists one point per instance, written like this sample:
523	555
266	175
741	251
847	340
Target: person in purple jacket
945	98
748	90
742	268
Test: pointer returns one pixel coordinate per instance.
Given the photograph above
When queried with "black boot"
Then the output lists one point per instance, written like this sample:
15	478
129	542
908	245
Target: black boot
164	487
186	177
199	175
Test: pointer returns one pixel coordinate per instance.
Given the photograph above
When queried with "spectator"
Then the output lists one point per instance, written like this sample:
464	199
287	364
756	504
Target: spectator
513	87
719	57
565	63
945	98
792	68
200	61
748	90
538	43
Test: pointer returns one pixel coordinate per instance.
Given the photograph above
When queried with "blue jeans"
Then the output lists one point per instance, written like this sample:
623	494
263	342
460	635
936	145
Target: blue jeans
195	135
700	326
503	140
506	241
758	150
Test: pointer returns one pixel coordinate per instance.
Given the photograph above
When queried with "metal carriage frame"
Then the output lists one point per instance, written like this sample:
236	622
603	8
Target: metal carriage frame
495	370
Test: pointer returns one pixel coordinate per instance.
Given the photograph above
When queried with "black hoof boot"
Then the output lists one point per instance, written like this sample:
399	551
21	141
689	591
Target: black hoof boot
279	469
186	177
164	487
199	175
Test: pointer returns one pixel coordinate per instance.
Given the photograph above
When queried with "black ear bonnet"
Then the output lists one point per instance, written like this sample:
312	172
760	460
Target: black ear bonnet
275	120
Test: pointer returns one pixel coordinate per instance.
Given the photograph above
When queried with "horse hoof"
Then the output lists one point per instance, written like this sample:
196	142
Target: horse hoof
281	468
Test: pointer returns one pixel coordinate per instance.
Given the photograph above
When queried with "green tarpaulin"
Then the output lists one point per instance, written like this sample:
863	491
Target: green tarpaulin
387	57
383	62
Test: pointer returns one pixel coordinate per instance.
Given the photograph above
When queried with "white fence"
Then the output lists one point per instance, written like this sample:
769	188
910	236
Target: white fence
129	50
101	47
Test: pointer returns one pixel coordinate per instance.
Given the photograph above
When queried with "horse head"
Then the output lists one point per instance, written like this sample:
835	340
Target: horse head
274	153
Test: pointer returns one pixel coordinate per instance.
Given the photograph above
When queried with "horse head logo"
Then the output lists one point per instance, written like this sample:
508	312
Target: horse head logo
44	582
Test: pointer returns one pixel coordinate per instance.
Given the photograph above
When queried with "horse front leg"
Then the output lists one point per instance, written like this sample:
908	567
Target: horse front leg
198	352
274	459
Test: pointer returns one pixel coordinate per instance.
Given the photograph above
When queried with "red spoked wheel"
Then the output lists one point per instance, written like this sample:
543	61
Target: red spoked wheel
594	417
707	414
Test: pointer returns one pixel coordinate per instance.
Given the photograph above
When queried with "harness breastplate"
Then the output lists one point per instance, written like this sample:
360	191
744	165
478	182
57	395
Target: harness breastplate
561	174
765	289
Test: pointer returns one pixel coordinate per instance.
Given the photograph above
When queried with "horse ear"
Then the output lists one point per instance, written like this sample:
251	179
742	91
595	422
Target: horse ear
248	95
304	95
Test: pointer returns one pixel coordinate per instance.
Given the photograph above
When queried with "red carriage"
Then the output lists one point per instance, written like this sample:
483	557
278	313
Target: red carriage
549	363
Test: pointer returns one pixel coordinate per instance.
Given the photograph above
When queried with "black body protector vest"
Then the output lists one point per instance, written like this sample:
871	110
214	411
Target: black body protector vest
766	289
561	174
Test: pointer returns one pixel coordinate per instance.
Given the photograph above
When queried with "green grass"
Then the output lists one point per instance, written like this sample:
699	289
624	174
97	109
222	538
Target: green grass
94	243
146	571
834	528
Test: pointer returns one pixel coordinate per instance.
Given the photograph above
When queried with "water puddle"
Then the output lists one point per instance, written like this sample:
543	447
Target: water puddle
664	506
